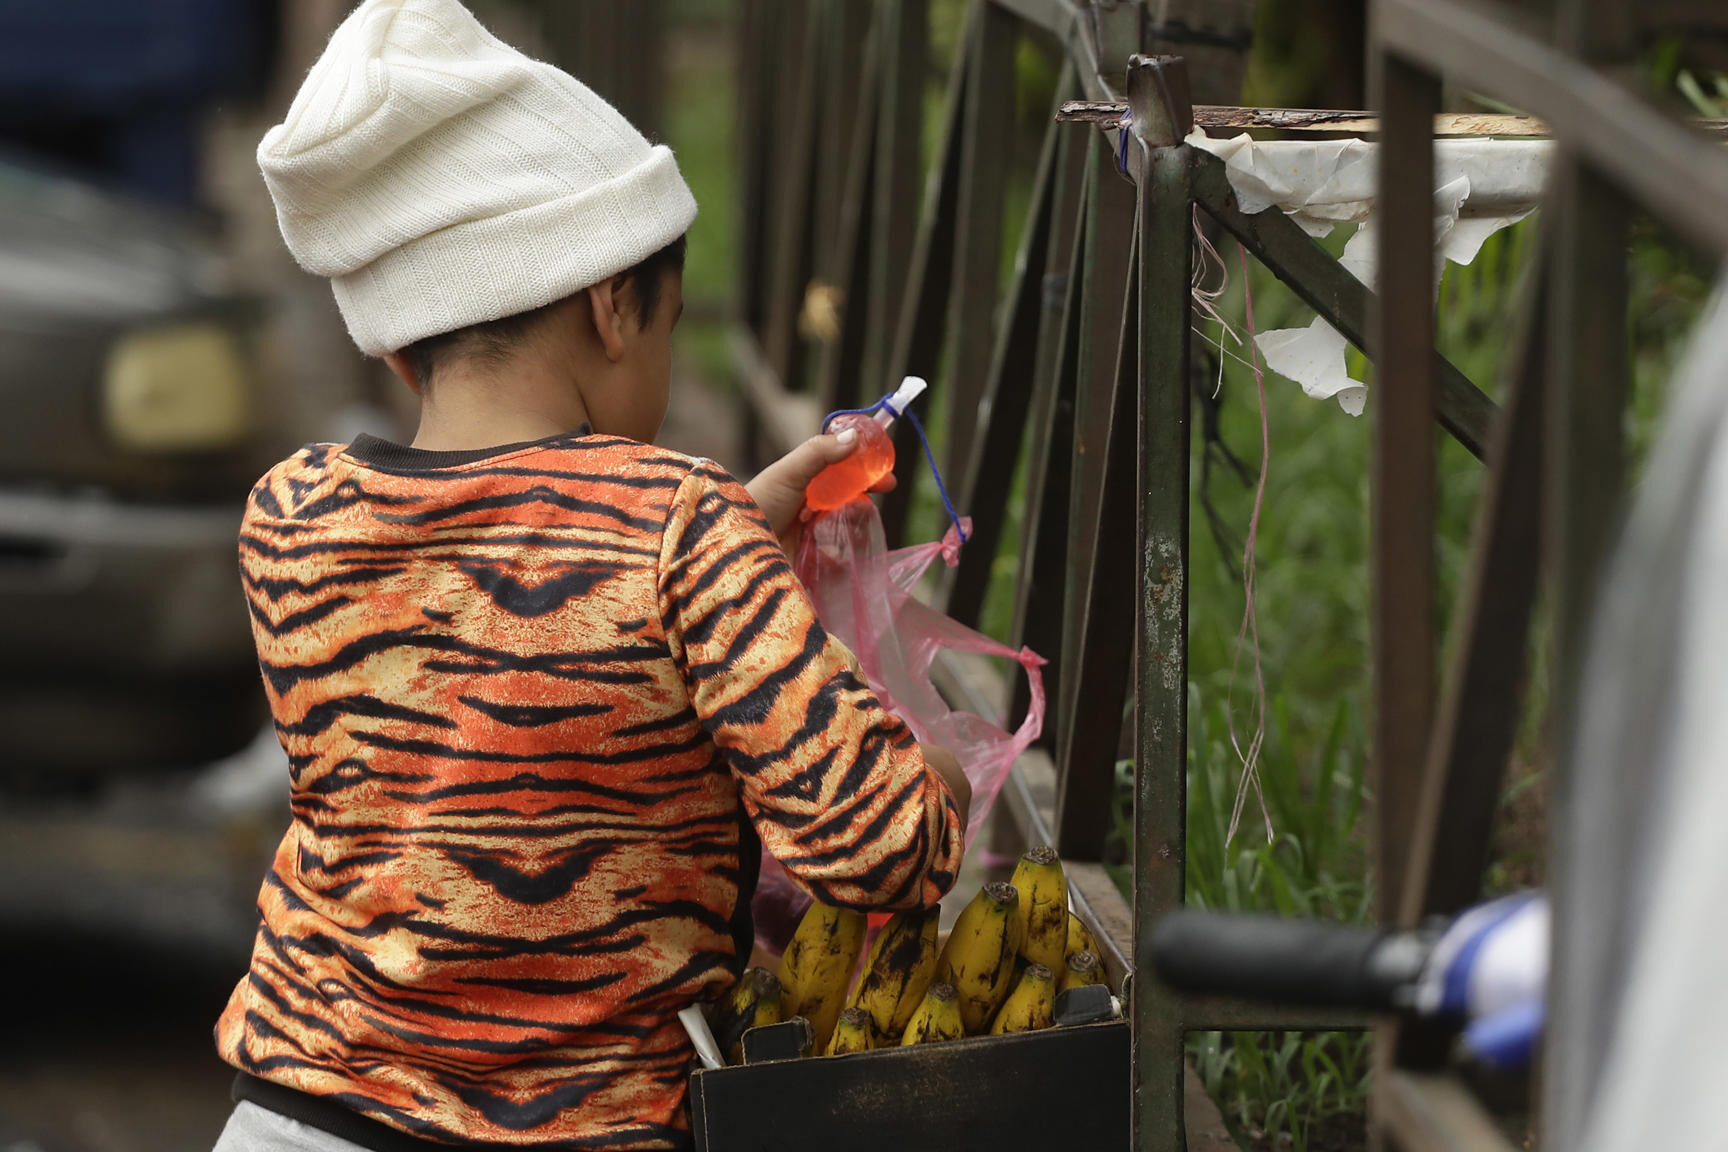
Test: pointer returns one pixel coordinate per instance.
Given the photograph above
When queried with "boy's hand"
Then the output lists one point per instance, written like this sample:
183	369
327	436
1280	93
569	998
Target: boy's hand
779	488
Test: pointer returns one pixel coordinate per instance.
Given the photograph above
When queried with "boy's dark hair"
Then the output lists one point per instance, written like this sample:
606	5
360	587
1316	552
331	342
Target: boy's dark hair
493	340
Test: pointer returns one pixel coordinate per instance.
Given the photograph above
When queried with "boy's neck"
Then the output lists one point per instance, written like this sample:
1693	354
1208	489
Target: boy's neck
467	410
470	436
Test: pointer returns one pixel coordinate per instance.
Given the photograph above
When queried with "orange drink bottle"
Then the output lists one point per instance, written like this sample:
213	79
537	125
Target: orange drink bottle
850	479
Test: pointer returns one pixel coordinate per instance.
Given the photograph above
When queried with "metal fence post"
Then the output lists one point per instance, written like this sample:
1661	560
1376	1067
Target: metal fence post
1589	381
1158	100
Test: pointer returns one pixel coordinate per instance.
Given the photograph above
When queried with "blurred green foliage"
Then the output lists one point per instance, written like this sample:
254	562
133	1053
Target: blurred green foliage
701	127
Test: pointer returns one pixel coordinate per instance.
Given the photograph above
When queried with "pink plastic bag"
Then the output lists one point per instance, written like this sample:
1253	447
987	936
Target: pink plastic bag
863	596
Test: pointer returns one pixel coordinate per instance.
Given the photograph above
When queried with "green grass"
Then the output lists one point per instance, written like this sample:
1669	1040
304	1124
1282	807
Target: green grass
1315	868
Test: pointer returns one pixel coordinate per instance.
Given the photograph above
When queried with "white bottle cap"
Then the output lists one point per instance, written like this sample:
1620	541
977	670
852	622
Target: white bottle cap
910	389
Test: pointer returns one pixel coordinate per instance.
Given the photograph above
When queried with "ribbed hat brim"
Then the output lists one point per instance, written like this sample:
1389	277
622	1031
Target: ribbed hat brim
520	261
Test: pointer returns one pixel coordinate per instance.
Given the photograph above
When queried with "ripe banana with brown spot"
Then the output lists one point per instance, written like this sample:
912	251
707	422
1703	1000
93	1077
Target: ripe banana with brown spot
898	971
1082	968
1032	1004
979	957
936	1018
816	968
753	1003
853	1032
1079	938
1042	915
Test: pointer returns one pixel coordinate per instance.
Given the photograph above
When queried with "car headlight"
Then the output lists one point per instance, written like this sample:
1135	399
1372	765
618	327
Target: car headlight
182	387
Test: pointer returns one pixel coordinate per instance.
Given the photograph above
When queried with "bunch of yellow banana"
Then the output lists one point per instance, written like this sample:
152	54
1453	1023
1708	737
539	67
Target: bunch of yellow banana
897	972
1080	937
1081	969
753	1003
1032	1004
816	968
1014	947
979	957
936	1018
1041	919
852	1033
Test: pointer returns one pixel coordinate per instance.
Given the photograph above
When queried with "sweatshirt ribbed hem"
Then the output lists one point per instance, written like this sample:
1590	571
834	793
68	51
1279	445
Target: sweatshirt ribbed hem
316	1112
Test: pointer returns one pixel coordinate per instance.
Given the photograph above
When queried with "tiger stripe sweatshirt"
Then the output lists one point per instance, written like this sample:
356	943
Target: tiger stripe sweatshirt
542	706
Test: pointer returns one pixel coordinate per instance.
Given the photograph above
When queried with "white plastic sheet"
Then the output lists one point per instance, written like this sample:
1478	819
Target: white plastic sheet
1484	186
1639	1036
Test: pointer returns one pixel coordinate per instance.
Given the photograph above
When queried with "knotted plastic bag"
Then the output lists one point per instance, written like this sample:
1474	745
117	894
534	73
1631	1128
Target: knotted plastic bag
864	597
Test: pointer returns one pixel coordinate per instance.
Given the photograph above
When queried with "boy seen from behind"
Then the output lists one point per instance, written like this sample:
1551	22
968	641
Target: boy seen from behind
545	689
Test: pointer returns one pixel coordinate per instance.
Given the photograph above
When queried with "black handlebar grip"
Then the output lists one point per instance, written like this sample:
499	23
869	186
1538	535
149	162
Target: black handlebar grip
1298	962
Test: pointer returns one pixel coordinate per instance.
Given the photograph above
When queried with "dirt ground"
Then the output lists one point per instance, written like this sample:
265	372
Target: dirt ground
108	1047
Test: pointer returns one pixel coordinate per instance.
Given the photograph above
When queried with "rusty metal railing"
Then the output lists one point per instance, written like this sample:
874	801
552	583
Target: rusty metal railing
1076	370
1079	361
1556	461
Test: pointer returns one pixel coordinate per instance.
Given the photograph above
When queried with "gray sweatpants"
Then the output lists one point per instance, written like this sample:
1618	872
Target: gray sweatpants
255	1129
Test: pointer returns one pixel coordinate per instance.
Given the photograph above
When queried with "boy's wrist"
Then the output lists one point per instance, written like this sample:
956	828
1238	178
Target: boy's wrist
947	769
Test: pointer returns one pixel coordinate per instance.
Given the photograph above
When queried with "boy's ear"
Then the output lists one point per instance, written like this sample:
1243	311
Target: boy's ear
404	371
608	320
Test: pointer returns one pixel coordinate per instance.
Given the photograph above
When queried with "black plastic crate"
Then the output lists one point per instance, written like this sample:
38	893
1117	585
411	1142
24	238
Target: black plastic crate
1056	1090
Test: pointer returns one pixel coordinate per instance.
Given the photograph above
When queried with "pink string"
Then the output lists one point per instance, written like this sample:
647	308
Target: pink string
1250	620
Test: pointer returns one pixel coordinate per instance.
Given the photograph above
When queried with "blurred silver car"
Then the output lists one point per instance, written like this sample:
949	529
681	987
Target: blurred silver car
127	447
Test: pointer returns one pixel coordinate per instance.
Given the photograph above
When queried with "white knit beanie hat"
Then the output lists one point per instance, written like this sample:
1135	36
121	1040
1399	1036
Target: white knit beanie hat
441	178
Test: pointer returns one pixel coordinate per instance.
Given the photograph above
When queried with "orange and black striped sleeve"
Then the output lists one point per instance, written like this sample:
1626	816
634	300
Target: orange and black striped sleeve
835	785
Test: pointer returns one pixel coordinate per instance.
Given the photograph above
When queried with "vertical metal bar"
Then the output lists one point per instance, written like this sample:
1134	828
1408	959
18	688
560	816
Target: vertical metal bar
840	376
1068	218
604	43
1402	490
584	29
1041	595
754	48
1161	673
1098	663
1115	30
919	327
1479	709
1108	242
1588	383
789	262
622	58
843	45
1589	361
904	34
978	248
645	31
1587	388
1001	432
756	150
